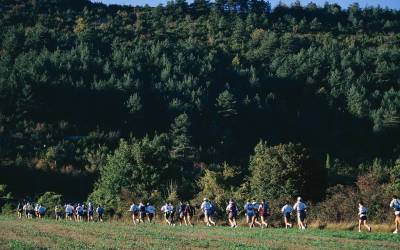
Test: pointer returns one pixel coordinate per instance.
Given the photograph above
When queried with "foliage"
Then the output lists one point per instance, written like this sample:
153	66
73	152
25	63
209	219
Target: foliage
219	184
285	170
4	194
50	200
140	167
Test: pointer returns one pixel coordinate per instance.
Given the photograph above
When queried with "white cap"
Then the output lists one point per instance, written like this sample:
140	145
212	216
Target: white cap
299	198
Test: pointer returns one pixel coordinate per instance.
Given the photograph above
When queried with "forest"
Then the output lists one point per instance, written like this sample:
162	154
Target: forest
230	98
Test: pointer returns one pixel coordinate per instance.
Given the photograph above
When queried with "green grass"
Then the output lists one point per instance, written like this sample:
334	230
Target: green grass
50	234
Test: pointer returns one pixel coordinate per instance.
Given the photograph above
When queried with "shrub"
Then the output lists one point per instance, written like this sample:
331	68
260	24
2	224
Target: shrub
284	171
369	188
8	208
50	200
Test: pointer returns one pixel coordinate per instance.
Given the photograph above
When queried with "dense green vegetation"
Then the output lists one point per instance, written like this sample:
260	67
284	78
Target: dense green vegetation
212	99
34	234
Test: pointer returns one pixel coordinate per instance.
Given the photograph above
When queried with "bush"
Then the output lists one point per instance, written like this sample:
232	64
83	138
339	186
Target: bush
8	208
369	188
50	200
139	167
284	171
219	185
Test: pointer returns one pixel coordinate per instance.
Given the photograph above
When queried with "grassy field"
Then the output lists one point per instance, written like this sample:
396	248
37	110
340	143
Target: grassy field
48	233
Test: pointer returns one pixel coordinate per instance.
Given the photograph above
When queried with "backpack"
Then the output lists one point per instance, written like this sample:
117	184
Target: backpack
397	206
265	209
234	208
212	209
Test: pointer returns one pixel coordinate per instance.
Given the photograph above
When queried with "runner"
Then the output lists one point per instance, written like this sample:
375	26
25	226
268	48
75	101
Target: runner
362	213
134	209
181	213
263	211
25	208
90	211
79	212
250	214
142	212
151	212
395	204
301	207
36	210
256	214
168	211
188	214
30	210
69	212
286	211
57	212
171	211
75	215
100	213
208	211
20	209
41	211
232	211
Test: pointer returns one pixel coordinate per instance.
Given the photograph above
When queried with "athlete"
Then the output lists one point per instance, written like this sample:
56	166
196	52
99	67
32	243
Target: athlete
188	214
142	212
286	211
150	212
232	211
100	213
168	211
20	209
250	214
301	207
57	212
90	212
41	211
395	204
362	213
208	210
263	211
181	213
31	211
79	212
134	209
69	212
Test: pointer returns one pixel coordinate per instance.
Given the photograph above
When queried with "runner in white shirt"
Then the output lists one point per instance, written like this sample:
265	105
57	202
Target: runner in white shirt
395	204
286	211
37	210
69	211
362	213
168	211
300	207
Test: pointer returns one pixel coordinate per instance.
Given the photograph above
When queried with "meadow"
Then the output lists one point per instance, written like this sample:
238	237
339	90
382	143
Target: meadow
50	234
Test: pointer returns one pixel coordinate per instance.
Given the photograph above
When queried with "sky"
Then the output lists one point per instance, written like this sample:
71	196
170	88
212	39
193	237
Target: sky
393	4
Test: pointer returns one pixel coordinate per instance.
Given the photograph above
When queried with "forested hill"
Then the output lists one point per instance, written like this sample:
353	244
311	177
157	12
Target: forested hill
217	78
